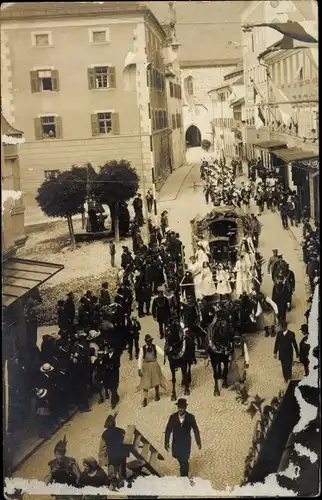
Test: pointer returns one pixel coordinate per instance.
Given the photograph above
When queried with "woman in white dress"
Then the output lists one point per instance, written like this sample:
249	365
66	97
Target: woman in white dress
201	255
223	284
208	285
196	270
241	276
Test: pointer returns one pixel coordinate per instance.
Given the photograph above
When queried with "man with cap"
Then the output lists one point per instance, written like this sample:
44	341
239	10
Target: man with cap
180	425
126	258
284	345
112	451
272	260
149	370
305	349
161	311
63	470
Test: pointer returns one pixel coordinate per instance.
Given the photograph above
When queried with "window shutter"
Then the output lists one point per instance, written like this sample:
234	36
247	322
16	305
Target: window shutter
91	78
153	120
112	77
59	127
95	127
34	81
38	129
115	123
55	80
171	89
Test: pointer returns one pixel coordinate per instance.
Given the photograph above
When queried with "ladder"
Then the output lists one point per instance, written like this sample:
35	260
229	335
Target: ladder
146	456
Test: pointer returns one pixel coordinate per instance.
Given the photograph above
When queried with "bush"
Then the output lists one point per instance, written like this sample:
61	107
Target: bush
51	294
205	144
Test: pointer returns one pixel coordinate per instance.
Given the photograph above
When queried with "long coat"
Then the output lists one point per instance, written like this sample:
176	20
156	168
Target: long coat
284	345
181	435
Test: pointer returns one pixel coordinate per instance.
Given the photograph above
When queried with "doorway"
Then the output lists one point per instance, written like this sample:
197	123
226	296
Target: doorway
193	137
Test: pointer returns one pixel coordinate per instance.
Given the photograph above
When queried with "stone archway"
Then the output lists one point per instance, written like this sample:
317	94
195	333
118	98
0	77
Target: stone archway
193	137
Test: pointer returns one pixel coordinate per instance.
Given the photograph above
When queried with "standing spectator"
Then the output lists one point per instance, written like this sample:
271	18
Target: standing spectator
256	229
290	277
70	309
164	222
144	299
110	373
305	349
134	328
93	475
206	191
291	209
105	298
297	208
180	425
272	260
112	451
161	311
149	201
112	252
31	317
312	269
284	344
61	316
138	207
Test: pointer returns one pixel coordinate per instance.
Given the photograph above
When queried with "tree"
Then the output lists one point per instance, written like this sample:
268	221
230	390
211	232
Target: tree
64	196
116	183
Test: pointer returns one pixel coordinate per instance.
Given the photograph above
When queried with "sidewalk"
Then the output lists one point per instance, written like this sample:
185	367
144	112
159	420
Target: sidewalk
173	184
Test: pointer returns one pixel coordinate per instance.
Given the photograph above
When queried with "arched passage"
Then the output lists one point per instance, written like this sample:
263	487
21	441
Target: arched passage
193	137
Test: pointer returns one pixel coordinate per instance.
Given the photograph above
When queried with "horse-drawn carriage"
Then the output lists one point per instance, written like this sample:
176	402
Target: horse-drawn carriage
223	229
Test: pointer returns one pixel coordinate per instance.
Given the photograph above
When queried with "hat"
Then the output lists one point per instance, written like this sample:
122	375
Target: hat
61	445
304	328
148	337
109	421
182	403
124	247
46	368
80	334
41	393
93	334
92	462
161	288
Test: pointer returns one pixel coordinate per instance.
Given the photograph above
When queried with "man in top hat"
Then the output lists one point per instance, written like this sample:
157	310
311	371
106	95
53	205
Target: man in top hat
63	469
284	345
161	311
180	425
150	370
112	451
305	349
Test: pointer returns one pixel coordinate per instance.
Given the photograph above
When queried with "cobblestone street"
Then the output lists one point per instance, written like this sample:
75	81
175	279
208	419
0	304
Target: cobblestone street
225	426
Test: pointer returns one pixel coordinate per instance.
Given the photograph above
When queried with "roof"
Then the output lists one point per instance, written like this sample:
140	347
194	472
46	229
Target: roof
237	81
270	144
20	276
293	154
207	63
52	10
8	129
238	69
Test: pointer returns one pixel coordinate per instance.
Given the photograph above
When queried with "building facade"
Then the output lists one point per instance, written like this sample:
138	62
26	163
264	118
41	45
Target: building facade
229	114
286	82
103	97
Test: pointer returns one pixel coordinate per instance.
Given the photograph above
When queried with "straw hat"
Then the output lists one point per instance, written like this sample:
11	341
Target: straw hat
46	368
41	393
93	334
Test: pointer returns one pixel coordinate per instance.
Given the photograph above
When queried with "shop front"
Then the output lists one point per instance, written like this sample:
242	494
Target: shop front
265	150
305	172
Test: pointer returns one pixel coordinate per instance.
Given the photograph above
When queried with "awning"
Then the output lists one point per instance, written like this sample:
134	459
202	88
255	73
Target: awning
270	144
294	154
19	276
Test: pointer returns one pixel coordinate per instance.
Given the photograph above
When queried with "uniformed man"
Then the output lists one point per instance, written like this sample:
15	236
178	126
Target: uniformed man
161	311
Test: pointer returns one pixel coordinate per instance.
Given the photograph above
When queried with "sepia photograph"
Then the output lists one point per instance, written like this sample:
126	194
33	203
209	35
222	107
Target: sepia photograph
160	249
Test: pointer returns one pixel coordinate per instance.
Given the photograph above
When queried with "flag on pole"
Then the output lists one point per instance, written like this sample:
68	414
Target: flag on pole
284	104
292	29
255	94
259	118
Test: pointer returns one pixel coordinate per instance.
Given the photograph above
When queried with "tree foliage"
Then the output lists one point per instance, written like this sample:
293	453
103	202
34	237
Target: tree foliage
63	195
117	182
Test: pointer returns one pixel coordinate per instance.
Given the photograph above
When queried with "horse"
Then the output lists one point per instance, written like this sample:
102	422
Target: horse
220	347
180	351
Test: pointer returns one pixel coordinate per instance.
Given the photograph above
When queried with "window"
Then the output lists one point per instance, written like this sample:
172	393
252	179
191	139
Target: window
165	119
105	122
101	77
171	89
174	124
189	82
178	120
48	127
44	80
41	39
51	174
100	35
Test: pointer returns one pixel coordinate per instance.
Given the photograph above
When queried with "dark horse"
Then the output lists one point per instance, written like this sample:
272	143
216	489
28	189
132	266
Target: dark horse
220	347
180	351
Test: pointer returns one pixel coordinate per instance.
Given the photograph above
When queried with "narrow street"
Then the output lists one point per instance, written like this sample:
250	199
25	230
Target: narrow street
226	428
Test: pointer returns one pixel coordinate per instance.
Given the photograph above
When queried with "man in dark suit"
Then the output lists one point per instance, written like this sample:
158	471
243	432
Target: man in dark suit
180	425
284	344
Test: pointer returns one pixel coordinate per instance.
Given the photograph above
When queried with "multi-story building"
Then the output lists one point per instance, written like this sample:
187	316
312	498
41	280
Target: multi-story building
286	82
20	280
101	97
229	114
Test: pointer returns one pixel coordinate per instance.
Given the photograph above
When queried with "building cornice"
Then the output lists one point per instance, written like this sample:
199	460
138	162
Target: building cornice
208	63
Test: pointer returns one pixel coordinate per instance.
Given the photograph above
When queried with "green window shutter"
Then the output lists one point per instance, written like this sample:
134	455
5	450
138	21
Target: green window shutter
34	81
112	77
38	129
115	123
59	127
55	80
95	125
91	78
